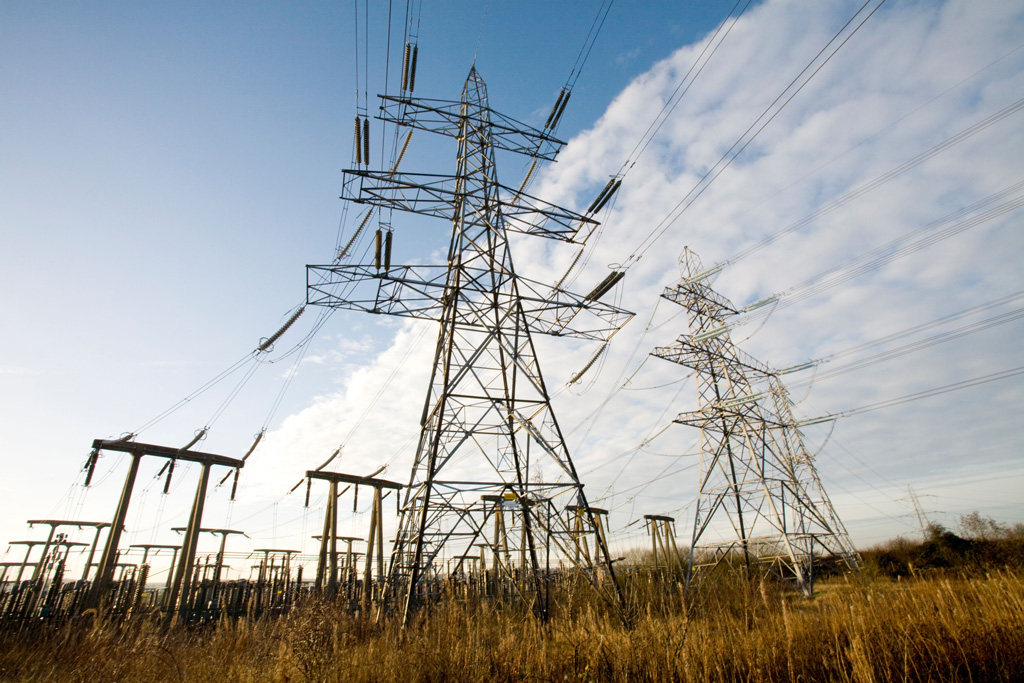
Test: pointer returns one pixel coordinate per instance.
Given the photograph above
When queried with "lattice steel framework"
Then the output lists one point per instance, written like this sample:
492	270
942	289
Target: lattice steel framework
760	498
490	453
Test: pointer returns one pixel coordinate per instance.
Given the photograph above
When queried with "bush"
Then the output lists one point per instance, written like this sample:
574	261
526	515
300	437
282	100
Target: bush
983	545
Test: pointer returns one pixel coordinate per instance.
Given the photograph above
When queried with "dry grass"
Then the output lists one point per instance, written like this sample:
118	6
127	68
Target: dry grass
928	629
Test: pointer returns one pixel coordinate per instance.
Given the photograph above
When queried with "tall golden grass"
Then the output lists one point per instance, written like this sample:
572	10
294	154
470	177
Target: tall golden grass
939	628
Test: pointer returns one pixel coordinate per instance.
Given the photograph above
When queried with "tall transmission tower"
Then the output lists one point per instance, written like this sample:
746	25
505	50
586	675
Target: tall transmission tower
760	498
491	455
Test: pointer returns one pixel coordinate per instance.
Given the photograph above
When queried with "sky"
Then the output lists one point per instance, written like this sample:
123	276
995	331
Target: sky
167	171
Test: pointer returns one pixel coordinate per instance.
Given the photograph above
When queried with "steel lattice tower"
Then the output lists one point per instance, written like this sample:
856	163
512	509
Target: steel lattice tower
491	468
760	496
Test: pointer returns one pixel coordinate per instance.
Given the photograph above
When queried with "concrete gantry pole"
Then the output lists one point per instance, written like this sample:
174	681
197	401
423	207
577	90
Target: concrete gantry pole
329	539
224	533
28	552
137	451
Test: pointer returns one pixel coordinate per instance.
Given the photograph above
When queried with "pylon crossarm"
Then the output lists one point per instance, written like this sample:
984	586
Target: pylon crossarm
710	418
418	292
715	305
440	196
447	117
693	355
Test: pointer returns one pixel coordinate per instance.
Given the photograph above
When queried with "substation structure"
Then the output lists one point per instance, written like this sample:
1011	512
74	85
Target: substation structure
138	587
760	500
335	579
492	480
123	583
40	588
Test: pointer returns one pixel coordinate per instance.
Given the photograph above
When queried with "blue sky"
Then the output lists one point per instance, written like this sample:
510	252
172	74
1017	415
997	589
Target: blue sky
168	170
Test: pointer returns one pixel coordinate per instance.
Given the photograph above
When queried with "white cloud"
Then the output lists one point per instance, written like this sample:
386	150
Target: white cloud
868	111
895	90
16	370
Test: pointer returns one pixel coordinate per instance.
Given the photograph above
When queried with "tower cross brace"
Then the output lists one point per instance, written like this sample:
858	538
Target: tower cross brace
759	492
487	427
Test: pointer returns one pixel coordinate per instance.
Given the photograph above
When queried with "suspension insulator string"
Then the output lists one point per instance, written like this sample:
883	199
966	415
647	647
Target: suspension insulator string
600	196
169	467
90	466
200	435
387	250
606	194
405	146
377	248
590	363
554	109
568	270
359	142
259	437
412	68
344	252
609	281
526	180
405	67
561	110
266	344
366	141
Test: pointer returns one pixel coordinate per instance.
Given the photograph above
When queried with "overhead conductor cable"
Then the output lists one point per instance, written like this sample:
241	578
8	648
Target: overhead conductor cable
234	484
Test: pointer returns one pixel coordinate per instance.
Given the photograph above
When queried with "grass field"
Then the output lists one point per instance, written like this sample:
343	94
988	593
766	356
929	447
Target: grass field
925	628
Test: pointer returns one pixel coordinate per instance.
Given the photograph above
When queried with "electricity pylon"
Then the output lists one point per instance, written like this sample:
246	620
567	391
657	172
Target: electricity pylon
760	498
490	447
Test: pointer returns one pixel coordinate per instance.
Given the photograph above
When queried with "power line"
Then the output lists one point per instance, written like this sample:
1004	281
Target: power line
766	117
676	97
937	391
920	345
873	184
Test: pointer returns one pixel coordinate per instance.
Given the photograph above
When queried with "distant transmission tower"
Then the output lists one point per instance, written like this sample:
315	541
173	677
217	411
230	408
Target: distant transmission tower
760	498
492	468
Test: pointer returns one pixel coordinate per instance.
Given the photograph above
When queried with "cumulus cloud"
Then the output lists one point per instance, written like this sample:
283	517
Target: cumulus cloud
913	76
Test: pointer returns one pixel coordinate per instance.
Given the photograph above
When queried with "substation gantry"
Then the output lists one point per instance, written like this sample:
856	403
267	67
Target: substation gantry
155	548
327	580
179	598
45	592
663	541
760	499
487	427
275	589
